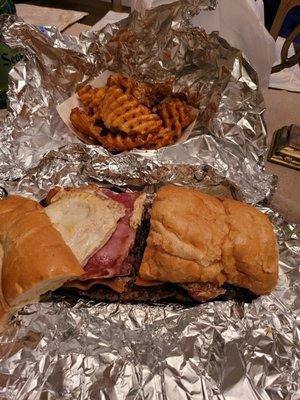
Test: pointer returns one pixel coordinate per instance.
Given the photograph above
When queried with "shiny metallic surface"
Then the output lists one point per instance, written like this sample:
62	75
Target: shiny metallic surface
67	348
154	45
75	349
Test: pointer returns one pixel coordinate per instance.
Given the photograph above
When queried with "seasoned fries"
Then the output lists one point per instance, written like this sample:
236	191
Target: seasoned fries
127	115
85	124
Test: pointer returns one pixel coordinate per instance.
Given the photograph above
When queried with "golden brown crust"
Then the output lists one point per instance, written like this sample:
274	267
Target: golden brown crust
122	112
128	114
195	237
175	115
254	248
114	141
36	259
84	124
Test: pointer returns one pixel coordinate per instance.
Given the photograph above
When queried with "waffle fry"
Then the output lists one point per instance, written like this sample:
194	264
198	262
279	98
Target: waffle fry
121	81
175	115
86	96
117	142
145	93
112	94
127	114
165	137
92	98
84	123
98	98
123	112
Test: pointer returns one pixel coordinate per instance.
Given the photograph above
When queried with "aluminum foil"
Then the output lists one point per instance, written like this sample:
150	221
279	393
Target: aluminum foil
69	348
154	45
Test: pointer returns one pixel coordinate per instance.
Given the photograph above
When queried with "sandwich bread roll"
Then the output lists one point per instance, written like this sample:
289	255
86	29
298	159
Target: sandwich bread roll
195	237
33	256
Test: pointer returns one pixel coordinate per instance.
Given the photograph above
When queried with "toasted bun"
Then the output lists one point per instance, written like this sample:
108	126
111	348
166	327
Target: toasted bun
138	210
195	237
85	217
33	257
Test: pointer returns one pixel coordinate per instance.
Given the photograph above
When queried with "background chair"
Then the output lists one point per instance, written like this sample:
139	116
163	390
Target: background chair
284	7
116	5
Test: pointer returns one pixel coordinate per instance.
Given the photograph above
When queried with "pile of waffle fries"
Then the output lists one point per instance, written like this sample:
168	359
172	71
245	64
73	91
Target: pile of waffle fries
127	114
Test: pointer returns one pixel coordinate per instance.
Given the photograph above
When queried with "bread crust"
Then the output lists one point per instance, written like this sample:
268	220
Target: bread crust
138	210
35	257
195	237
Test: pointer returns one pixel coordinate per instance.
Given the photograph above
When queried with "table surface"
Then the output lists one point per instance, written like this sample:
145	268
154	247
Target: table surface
282	108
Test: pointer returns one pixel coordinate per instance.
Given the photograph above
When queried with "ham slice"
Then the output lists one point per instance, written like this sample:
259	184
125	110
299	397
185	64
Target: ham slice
125	198
114	258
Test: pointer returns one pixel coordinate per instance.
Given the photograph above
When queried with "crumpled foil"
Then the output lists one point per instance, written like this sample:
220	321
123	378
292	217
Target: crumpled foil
154	45
69	348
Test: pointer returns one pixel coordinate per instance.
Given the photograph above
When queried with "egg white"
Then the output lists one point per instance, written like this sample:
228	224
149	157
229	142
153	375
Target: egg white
85	221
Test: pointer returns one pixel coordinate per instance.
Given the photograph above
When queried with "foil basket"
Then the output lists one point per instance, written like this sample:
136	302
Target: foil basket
154	45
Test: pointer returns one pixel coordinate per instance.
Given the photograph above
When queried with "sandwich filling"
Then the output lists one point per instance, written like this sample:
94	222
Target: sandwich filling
110	233
114	258
197	244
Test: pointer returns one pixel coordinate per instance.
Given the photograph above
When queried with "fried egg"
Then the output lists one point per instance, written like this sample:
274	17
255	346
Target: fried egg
86	221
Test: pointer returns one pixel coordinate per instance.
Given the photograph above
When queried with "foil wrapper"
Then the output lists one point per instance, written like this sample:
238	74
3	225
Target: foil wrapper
152	45
70	348
67	348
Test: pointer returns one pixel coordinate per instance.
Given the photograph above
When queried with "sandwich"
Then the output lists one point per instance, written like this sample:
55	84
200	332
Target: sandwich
83	235
204	244
95	242
33	256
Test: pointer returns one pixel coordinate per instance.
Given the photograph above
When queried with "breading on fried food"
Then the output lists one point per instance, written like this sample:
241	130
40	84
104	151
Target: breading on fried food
122	112
84	123
175	115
